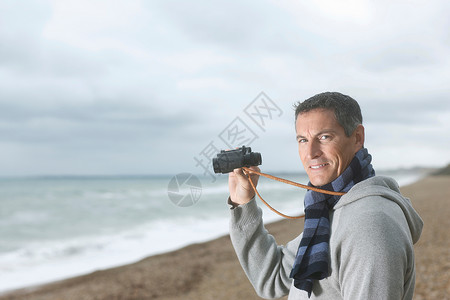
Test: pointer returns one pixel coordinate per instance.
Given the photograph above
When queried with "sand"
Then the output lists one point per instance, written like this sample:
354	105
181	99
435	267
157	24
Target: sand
211	271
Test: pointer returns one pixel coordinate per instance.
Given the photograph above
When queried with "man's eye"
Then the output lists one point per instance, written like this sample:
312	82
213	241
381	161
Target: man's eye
302	141
324	137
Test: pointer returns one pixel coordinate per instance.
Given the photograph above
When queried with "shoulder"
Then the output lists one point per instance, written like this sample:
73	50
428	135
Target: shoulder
374	227
371	214
375	186
373	204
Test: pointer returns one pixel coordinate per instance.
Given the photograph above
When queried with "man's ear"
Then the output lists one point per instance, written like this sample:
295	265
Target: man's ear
359	137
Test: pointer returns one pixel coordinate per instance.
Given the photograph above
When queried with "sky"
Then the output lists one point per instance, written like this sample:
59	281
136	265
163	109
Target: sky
156	87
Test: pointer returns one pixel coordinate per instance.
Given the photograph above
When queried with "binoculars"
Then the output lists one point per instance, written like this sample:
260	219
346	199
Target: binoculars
227	161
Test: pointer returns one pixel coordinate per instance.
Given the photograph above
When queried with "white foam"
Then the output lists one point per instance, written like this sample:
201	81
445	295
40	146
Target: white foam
49	261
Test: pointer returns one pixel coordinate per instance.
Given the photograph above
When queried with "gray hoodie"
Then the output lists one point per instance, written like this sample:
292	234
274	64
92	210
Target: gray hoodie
373	229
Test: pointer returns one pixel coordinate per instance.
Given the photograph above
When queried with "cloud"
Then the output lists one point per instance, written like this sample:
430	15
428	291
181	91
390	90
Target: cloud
407	111
401	56
113	87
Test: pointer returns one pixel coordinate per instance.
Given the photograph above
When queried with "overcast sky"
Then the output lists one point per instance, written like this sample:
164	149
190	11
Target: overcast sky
147	87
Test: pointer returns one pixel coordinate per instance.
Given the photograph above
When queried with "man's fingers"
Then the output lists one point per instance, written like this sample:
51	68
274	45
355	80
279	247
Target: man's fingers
254	168
239	172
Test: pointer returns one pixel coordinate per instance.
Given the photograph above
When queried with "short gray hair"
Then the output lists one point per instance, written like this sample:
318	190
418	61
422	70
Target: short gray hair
345	108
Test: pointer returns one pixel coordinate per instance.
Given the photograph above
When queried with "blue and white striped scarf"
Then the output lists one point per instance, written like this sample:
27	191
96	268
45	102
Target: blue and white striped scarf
312	260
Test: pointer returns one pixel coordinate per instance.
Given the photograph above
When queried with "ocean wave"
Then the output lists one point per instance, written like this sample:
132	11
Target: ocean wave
43	262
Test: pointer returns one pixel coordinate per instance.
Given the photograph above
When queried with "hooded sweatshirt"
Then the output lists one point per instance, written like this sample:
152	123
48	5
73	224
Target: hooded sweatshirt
373	229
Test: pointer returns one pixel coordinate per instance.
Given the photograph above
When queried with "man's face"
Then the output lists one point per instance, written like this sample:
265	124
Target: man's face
324	148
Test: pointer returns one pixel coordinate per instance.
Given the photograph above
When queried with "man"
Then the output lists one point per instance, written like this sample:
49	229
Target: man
356	246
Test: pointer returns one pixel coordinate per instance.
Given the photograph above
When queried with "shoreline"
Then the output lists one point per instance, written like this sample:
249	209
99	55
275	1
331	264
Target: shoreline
206	270
57	268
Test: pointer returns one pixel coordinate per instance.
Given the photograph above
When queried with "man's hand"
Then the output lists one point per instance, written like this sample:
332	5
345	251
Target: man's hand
240	188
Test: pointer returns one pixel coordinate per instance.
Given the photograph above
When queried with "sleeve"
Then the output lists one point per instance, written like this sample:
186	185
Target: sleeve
266	264
376	255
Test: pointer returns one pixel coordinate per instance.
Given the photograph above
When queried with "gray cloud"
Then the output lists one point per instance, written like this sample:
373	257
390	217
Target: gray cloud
409	111
136	87
406	57
97	121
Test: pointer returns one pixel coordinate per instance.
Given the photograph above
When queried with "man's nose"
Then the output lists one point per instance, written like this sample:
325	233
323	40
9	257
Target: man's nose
314	149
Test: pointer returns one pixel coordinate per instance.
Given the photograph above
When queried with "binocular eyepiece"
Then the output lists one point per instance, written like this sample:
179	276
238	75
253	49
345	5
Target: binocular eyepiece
227	161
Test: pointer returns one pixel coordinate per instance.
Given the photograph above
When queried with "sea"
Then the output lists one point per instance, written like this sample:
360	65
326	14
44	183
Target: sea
56	227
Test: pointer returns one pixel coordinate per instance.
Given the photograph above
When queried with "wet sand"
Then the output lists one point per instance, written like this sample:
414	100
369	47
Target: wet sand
211	270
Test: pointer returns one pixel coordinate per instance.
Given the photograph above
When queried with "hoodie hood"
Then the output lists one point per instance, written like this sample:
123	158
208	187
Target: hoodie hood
388	188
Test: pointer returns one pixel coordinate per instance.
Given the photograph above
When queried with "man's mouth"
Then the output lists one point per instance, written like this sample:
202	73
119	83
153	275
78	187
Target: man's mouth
316	167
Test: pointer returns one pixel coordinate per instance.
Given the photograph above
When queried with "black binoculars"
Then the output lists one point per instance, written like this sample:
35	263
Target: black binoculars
227	161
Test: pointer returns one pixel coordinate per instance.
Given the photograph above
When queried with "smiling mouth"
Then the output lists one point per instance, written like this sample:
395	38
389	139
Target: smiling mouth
316	167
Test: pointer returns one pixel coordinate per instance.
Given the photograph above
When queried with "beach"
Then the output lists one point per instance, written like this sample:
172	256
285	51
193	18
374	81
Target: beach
211	270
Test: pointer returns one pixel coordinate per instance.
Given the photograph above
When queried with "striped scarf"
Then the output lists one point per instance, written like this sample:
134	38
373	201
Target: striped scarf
312	260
